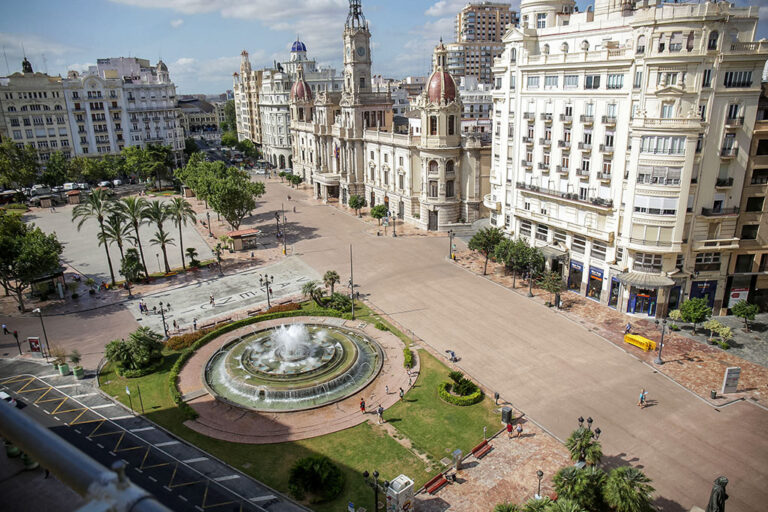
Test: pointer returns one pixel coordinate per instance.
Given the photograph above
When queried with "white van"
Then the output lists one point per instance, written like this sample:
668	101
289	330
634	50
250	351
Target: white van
70	186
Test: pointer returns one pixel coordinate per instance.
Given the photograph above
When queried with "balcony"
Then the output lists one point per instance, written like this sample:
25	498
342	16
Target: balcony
595	201
564	144
490	202
604	176
582	173
545	142
566	119
586	146
724	182
711	212
609	120
528	141
734	122
650	268
728	153
587	119
649	243
678	123
530	116
606	149
546	117
720	244
543	167
525	163
561	169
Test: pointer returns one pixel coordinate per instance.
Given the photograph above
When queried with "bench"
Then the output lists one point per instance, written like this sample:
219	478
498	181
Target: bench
223	321
254	312
208	326
435	484
640	342
482	449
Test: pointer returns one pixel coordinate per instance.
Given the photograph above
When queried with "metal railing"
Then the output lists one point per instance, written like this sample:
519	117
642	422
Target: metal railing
724	182
711	212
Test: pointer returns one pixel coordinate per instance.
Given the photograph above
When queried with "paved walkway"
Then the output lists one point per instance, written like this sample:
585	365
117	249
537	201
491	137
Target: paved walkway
222	421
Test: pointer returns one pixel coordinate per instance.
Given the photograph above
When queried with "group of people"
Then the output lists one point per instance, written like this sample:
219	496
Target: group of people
380	409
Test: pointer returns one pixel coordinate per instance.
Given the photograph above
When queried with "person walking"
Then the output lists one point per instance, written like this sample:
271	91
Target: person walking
212	301
402	394
380	414
5	329
518	430
175	326
628	328
509	431
194	324
362	405
641	400
386	388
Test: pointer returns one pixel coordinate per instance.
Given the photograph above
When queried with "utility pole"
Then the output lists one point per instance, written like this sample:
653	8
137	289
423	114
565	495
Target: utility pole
351	282
285	230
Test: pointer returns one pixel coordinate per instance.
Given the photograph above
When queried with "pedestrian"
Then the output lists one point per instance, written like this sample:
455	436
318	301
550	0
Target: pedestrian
5	329
628	328
518	430
47	473
362	405
641	400
141	309
509	431
194	324
212	301
386	388
175	326
402	394
380	413
289	197
294	209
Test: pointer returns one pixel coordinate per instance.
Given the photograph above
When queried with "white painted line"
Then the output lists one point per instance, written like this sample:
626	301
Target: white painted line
121	417
84	394
183	498
169	443
228	477
112	453
78	431
197	459
152	478
66	386
50	376
35	404
56	418
263	498
100	445
198	507
167	488
103	406
137	469
144	429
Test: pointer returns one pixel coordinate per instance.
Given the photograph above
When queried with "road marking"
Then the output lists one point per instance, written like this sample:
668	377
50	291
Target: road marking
119	417
144	429
167	488
56	418
198	507
137	469
196	459
152	478
84	394
264	498
100	445
49	376
228	477
169	443
67	386
35	404
103	406
112	453
183	498
78	431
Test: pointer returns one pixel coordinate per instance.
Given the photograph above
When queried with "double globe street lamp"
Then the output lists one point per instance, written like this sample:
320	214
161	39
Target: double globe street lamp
266	281
374	483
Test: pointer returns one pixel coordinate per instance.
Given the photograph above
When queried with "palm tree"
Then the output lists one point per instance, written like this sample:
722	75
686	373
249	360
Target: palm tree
162	239
133	208
627	489
506	507
583	447
537	505
313	291
157	213
117	231
330	278
96	206
564	505
181	211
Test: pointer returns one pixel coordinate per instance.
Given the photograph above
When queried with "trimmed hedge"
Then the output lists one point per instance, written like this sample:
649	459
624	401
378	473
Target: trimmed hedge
132	374
408	358
444	391
281	308
173	376
183	341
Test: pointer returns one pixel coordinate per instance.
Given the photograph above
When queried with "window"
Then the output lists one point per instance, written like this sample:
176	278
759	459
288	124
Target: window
706	78
592	82
401	181
598	250
17	134
451	125
566	162
647	262
676	42
571	81
738	79
550	82
533	82
703	112
567	135
640	45
400	161
638	79
542	232
433	125
744	263
663	144
609	139
733	111
614	82
525	228
755	204
449	169
607	167
449	192
559	236
579	244
587	138
762	147
667	110
432	167
433	188
749	231
658	175
541	20
707	261
362	82
712	42
585	166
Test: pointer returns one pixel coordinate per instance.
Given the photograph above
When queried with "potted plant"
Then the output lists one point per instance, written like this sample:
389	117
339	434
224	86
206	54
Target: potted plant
91	284
77	370
58	357
72	287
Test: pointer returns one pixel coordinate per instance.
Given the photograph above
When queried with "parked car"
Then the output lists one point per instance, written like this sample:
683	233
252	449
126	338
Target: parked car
288	171
70	186
107	184
83	186
117	183
40	190
8	398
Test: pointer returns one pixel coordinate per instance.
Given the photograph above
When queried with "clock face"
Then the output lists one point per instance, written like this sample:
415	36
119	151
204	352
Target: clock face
349	51
361	50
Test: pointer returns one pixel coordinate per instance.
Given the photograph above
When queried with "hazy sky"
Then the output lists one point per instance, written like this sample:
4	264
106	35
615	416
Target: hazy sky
201	40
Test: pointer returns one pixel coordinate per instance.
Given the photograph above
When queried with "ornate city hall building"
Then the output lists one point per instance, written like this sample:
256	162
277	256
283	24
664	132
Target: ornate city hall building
346	143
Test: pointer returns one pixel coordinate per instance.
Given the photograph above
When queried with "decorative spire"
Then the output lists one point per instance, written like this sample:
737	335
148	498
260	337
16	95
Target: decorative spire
355	18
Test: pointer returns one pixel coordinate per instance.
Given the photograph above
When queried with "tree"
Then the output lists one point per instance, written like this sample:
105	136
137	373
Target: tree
192	255
485	242
157	213
130	267
745	310
627	489
312	290
248	148
713	326
537	505
163	239
142	348
96	206
583	446
25	254
582	486
357	203
234	198
695	310
190	147
506	507
318	476
379	211
18	165
88	170
153	161
134	210
330	278
229	139
230	114
295	180
553	283
513	254
116	231
181	211
564	505
56	170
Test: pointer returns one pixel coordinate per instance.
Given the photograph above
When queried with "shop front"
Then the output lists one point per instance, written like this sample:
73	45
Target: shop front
642	301
575	276
704	289
613	298
595	283
644	292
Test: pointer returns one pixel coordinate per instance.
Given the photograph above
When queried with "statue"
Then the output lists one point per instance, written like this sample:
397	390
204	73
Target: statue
718	496
26	66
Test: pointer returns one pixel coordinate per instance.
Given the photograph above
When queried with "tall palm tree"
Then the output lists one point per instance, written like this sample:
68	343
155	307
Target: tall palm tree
583	447
330	278
313	291
96	206
157	213
564	505
117	231
627	489
506	507
162	239
133	209
181	211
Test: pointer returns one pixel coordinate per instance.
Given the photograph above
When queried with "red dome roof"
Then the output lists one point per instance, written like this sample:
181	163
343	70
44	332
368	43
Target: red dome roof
441	85
301	91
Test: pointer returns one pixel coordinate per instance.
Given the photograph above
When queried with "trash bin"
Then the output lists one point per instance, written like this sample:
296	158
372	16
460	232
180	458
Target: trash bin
506	415
713	394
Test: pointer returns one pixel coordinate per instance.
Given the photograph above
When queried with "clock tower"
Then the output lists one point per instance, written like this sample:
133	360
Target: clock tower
357	51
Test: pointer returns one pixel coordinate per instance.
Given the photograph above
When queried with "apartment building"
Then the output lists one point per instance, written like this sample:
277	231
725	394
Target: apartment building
621	144
246	87
198	117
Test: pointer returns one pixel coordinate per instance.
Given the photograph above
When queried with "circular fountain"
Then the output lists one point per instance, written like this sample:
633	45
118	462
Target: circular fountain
292	367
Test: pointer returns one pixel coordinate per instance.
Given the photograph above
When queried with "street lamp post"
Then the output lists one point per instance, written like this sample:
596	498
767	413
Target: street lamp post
45	335
165	325
530	280
596	434
159	268
539	475
285	230
375	485
351	282
210	233
663	324
394	224
451	234
266	281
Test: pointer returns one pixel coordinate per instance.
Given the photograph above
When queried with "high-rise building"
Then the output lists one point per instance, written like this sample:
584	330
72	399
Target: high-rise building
247	84
621	142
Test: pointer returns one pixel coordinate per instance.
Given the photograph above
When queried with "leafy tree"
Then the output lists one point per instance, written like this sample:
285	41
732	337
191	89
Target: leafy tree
89	170
339	302
234	198
56	169
229	139
181	211
553	283
295	180
114	166
157	213
25	254
379	211
745	310
357	203
695	310
713	326
192	255
485	242
96	206
190	147
142	348
312	290
584	447
134	209
248	148
230	115
116	231
318	476
330	278
513	254
153	161
18	165
506	507
627	489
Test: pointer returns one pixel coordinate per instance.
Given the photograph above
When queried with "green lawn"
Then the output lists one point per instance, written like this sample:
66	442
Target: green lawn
433	426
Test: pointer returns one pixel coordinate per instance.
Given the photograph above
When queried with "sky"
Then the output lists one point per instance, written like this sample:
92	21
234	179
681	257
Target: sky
201	40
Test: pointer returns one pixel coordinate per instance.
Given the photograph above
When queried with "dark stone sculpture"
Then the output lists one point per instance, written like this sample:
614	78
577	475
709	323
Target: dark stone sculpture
26	66
718	496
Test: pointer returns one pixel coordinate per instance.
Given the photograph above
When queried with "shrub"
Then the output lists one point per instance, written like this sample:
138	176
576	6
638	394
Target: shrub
408	358
75	295
339	302
318	476
16	206
380	326
724	345
462	386
141	350
674	327
183	341
281	308
444	391
132	374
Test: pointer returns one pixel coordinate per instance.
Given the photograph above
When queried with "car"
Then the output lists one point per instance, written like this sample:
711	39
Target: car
70	186
106	184
83	186
117	183
288	171
8	398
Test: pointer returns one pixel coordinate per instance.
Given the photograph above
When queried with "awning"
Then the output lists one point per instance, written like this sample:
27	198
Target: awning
551	252
642	280
328	179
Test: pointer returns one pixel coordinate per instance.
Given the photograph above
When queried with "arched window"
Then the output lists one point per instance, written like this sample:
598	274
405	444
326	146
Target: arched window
546	49
564	47
432	167
11	109
449	167
689	42
451	124
513	55
433	125
712	43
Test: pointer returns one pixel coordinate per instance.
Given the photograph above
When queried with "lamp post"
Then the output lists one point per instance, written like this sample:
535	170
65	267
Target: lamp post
539	475
210	233
451	234
165	325
45	335
596	434
351	282
159	268
394	223
266	281
663	325
285	230
375	485
530	280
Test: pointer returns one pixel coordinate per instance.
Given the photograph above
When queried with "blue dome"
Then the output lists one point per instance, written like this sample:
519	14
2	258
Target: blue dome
298	46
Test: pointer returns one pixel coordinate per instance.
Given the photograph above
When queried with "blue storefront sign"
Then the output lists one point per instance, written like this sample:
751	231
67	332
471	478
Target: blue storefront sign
575	276
704	289
595	283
